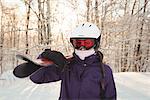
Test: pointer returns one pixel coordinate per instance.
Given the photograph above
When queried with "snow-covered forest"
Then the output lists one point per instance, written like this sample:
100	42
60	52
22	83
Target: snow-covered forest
30	26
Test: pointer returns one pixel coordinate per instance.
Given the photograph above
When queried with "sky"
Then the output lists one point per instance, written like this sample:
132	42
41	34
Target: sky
19	3
14	2
63	11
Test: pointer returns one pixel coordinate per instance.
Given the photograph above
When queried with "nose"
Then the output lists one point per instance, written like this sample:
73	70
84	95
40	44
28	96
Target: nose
82	48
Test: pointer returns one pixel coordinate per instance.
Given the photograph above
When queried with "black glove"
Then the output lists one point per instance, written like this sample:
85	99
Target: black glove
57	57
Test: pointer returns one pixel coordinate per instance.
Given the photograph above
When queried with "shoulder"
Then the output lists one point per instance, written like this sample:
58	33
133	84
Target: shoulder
108	70
107	67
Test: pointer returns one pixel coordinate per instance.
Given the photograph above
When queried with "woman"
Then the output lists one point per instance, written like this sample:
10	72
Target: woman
84	76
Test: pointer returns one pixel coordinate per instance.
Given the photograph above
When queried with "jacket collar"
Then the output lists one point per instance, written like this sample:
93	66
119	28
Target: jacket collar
88	60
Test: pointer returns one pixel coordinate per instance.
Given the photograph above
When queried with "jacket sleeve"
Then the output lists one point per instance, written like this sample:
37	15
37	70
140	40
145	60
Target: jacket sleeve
46	75
110	88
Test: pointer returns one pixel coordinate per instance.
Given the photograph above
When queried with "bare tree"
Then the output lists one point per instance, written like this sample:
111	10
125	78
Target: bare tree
27	24
48	22
40	35
88	3
124	24
44	27
138	50
1	37
97	12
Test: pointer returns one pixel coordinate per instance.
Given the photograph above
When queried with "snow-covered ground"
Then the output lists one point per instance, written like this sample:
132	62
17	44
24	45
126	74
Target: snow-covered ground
130	86
133	86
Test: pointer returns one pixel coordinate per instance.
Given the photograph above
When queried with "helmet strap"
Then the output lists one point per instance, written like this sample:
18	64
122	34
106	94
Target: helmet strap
97	43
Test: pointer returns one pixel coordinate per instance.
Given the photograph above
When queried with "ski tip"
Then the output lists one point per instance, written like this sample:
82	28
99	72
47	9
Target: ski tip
18	56
22	57
20	71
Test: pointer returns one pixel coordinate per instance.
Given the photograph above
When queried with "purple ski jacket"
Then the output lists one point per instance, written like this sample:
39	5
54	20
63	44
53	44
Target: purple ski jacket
80	80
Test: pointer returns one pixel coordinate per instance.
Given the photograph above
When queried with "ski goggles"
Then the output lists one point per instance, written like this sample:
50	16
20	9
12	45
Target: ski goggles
83	44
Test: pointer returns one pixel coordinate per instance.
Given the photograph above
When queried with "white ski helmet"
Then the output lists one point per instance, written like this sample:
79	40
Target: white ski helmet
86	30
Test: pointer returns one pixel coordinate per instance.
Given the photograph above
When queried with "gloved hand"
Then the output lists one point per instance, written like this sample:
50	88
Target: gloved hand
57	57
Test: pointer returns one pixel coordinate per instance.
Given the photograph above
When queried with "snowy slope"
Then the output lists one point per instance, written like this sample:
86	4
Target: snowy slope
133	86
130	86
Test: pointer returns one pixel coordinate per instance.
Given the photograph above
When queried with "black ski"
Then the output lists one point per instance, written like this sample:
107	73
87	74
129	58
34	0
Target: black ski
25	69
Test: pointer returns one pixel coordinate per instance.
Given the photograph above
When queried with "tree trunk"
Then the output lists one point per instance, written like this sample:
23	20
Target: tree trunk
133	7
27	27
40	36
48	22
96	13
1	38
88	10
126	6
138	49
